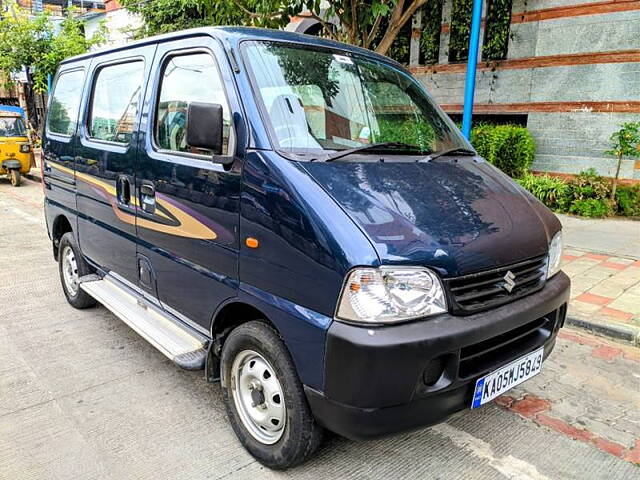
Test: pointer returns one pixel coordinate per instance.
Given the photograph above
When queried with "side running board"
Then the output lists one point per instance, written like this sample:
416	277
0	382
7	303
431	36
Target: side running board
186	347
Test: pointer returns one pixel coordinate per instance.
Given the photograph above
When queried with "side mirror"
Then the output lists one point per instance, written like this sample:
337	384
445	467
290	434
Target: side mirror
204	126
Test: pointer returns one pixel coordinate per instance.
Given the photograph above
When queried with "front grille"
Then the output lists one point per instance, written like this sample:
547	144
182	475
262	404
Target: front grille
479	291
486	355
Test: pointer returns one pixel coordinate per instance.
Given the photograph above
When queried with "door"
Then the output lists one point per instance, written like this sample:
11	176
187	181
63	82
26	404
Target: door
188	212
105	160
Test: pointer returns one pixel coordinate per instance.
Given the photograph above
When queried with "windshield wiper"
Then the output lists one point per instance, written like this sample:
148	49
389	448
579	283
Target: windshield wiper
449	151
372	146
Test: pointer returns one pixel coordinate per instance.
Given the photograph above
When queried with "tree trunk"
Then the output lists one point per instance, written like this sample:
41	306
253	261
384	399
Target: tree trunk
388	39
396	22
614	186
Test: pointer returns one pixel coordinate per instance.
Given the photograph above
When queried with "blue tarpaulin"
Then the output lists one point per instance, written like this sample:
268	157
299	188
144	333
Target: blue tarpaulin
11	108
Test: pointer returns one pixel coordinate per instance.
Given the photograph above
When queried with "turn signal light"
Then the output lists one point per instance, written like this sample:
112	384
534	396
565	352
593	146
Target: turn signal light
252	242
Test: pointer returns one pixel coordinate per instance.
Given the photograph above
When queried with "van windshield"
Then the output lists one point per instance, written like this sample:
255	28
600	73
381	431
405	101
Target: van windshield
319	100
12	127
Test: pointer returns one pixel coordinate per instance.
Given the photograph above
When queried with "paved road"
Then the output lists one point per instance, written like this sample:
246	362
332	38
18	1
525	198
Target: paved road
82	396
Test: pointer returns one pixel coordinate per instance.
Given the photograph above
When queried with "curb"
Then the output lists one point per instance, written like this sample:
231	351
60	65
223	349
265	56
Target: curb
615	331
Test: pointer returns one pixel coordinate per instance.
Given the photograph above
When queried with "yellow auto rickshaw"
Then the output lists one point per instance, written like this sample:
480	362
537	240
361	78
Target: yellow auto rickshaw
16	154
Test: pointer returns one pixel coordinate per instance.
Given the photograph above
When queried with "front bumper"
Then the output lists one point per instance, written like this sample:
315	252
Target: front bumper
384	380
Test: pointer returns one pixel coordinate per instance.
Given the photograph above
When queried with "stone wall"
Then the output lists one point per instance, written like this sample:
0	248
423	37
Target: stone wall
574	95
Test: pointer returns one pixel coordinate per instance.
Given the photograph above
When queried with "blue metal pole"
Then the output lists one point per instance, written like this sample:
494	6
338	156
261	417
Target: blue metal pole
470	82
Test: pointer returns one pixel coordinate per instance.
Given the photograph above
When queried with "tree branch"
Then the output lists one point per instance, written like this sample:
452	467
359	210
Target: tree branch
353	20
373	32
326	25
396	22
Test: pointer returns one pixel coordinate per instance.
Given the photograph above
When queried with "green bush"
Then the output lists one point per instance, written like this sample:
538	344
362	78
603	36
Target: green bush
586	195
628	201
591	207
589	195
553	192
589	185
508	147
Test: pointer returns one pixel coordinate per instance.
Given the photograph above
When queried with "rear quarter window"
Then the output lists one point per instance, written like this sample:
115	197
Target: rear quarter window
65	102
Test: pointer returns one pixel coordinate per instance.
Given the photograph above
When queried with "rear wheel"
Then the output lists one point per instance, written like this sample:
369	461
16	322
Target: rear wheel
72	266
14	175
264	397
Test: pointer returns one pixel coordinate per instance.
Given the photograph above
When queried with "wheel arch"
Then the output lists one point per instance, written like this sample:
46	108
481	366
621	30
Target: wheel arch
229	315
60	226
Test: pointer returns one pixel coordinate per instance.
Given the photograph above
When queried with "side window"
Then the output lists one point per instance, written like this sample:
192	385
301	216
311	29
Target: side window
63	111
187	78
114	102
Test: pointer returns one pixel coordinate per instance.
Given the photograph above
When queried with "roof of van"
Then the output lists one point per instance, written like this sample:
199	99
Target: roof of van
235	35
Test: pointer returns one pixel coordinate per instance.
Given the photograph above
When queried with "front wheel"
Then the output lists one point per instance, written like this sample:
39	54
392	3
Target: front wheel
72	266
264	398
14	175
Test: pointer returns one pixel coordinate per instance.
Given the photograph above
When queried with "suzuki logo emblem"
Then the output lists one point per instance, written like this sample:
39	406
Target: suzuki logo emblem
509	284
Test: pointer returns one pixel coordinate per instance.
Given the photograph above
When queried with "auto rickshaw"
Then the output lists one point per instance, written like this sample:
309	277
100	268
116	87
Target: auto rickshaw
16	154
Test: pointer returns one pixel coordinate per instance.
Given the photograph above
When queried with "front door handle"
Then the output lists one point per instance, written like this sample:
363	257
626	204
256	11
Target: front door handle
148	197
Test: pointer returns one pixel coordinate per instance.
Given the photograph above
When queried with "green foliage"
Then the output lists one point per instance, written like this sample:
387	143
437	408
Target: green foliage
431	27
405	129
626	141
585	195
375	24
628	201
162	16
460	30
496	33
30	42
588	195
589	185
591	207
508	147
553	192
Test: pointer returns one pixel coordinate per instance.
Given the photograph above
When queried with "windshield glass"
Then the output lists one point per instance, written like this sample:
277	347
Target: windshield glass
318	100
12	127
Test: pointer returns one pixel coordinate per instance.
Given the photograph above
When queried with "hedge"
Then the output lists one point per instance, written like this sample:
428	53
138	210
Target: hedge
508	147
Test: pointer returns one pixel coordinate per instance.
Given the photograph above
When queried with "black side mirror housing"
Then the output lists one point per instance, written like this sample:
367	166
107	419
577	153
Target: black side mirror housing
204	126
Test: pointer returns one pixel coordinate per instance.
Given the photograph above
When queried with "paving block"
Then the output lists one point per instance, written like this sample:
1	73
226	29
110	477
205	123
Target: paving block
594	299
607	289
617	314
582	307
621	260
627	302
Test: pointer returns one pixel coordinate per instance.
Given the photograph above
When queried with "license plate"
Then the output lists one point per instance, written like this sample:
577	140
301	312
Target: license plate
496	383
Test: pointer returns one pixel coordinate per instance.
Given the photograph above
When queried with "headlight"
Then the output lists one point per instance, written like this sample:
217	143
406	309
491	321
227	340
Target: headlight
555	255
390	294
25	148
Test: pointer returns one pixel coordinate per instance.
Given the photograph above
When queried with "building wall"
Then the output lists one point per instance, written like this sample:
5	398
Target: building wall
573	67
120	24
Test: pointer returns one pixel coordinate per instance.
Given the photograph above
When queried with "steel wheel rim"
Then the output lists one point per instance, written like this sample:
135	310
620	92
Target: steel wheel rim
70	271
258	397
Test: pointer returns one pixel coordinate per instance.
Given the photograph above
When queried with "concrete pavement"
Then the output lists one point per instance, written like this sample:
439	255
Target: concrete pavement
617	237
83	396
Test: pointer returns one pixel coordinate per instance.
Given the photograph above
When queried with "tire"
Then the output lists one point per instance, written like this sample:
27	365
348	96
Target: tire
301	435
77	268
14	175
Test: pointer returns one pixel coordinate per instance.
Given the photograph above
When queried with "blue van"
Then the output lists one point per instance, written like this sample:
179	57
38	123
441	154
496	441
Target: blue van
298	219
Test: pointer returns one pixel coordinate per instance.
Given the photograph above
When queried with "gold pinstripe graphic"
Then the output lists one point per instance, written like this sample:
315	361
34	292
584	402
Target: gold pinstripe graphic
187	226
